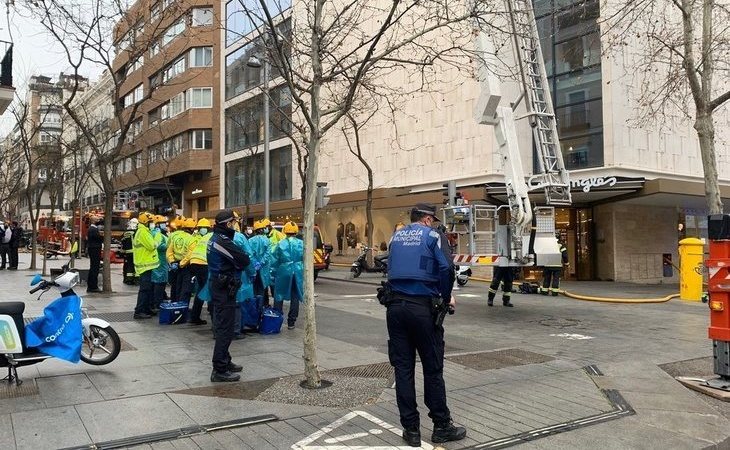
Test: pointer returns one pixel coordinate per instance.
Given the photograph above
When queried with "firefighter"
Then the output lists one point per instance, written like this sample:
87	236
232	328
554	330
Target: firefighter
196	263
146	259
179	250
127	254
551	273
160	274
504	276
176	247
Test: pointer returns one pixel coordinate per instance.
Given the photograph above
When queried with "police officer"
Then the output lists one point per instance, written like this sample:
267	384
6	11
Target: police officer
419	275
551	273
225	265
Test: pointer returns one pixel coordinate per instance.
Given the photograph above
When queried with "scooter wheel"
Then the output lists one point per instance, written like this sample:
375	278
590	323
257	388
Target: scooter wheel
107	347
356	271
461	282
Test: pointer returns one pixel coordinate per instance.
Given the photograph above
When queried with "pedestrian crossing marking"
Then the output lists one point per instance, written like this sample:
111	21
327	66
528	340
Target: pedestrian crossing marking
339	442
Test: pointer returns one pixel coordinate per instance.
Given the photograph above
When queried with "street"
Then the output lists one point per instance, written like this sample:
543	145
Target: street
551	373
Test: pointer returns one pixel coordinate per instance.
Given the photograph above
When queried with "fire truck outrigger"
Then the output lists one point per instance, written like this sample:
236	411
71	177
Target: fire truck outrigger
514	234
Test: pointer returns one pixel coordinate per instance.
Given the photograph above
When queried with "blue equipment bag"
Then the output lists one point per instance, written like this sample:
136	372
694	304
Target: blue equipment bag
173	313
271	321
251	311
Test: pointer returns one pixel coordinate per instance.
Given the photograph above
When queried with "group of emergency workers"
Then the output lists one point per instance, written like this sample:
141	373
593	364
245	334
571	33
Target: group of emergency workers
218	264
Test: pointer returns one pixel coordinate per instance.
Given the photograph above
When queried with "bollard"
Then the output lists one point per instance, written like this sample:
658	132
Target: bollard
718	265
691	253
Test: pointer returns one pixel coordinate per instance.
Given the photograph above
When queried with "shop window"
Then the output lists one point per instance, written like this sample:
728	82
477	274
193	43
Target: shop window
202	204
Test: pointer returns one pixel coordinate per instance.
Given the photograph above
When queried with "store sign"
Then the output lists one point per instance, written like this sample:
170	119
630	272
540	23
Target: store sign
586	184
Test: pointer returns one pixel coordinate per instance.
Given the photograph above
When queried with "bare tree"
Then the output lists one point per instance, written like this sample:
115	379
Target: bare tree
12	177
334	49
96	35
679	53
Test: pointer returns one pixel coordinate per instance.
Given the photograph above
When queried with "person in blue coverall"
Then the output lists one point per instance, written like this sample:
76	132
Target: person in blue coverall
261	248
245	292
420	281
287	263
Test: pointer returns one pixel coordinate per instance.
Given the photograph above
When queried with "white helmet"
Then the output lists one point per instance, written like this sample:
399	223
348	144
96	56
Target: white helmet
132	224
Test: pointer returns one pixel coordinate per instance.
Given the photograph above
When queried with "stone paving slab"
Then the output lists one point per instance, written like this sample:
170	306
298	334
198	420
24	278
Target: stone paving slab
34	431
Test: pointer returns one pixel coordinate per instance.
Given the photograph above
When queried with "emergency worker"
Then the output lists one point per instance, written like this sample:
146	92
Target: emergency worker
505	276
551	273
183	273
245	292
261	248
287	263
177	246
195	263
127	254
226	263
146	260
160	274
418	296
274	235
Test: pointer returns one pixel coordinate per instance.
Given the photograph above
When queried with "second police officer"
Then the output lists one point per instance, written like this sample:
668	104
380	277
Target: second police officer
417	296
226	263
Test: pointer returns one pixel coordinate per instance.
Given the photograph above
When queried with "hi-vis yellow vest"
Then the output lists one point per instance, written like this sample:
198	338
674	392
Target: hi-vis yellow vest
144	249
199	255
178	245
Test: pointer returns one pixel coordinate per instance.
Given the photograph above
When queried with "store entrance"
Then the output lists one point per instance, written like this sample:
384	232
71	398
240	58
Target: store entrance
575	226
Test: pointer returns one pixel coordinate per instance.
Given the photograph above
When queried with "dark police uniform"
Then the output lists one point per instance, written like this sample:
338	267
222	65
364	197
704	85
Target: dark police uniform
418	272
225	264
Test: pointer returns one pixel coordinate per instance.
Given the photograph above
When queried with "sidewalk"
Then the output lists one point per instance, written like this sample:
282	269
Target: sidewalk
551	373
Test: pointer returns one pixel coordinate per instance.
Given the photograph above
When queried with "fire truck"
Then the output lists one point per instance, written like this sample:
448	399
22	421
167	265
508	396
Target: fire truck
515	234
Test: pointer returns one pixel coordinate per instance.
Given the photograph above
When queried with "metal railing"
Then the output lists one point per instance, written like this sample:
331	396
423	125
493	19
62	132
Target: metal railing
6	65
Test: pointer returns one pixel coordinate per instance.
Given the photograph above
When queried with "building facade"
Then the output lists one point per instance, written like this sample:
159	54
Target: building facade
636	190
165	57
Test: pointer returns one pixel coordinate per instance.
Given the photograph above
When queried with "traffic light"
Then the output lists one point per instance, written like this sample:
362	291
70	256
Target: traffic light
322	198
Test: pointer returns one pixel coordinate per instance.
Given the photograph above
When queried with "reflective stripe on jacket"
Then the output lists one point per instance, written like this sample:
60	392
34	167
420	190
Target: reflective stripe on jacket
144	249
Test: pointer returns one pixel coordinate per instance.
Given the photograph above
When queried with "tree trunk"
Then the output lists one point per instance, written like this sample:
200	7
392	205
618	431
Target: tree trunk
34	241
106	249
72	263
311	370
369	212
706	133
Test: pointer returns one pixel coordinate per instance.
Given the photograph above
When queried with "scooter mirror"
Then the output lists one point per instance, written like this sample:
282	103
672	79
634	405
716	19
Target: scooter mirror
36	279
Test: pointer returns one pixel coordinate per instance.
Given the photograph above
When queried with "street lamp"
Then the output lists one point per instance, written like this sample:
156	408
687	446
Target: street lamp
255	62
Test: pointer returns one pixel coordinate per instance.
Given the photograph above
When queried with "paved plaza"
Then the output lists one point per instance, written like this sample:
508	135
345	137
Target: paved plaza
551	373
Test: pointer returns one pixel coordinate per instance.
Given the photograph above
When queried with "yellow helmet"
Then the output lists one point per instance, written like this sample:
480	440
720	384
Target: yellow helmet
189	223
177	222
291	228
265	222
259	224
145	218
160	219
203	223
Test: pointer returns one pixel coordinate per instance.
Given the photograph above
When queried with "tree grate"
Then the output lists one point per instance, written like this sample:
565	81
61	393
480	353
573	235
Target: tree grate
379	370
11	390
122	316
499	359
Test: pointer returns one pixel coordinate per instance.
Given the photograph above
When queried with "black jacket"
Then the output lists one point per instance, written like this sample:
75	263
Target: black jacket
94	240
15	239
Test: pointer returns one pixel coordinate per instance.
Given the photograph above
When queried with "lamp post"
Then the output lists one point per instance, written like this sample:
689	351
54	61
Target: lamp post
255	62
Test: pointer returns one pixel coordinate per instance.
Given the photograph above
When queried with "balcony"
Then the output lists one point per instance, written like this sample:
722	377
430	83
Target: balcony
7	91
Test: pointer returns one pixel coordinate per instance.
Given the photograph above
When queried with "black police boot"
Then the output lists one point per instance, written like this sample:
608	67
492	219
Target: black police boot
412	436
232	367
490	301
224	376
447	432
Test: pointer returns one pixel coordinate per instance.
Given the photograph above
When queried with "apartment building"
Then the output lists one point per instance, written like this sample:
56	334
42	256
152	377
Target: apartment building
36	137
636	190
165	53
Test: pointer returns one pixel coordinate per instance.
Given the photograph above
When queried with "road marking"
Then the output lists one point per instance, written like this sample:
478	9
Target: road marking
572	337
335	442
469	295
358	295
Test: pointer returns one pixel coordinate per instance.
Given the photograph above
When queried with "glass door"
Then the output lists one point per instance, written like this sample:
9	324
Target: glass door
584	244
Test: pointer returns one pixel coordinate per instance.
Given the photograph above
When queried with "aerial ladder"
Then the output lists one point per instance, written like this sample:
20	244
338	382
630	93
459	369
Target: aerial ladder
515	235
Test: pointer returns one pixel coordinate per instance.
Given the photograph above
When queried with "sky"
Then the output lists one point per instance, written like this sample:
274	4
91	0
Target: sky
34	53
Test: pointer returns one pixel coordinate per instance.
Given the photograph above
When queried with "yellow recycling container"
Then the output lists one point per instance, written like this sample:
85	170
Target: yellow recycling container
691	254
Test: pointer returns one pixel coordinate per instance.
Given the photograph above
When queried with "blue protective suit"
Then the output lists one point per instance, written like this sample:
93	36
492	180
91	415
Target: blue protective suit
245	292
288	265
159	274
261	248
416	264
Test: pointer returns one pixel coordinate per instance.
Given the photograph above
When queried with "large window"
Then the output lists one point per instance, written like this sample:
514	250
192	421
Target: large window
173	32
202	16
201	139
244	16
245	121
239	76
174	69
245	178
571	46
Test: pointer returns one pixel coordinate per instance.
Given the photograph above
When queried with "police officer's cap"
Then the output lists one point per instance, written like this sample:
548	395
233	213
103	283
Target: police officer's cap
426	208
224	216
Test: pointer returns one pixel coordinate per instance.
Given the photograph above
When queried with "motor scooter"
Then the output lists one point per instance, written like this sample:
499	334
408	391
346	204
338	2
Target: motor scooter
380	263
462	274
101	344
